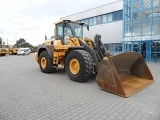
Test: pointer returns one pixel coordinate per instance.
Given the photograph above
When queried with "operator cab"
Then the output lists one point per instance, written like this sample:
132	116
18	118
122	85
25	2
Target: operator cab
68	29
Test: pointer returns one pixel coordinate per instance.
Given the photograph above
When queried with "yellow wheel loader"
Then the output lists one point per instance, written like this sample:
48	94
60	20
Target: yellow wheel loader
124	74
3	51
13	51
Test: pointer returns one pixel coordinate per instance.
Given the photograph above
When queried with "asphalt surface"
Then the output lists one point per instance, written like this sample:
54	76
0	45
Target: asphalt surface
28	94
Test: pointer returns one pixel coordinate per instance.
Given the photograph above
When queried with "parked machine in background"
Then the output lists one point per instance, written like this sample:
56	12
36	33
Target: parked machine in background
12	50
3	50
124	74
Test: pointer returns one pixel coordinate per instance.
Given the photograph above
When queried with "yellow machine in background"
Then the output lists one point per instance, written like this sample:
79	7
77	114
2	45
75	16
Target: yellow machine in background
3	50
124	74
12	50
8	49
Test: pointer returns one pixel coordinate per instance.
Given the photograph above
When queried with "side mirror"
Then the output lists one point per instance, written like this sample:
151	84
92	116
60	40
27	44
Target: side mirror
45	37
88	27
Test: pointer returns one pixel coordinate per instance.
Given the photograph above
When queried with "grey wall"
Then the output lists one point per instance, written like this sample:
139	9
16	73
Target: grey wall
110	33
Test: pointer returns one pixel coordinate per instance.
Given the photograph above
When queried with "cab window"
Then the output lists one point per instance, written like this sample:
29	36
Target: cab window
59	28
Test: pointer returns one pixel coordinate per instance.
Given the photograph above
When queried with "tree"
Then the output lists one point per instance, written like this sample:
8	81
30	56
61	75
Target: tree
20	42
34	48
0	40
23	44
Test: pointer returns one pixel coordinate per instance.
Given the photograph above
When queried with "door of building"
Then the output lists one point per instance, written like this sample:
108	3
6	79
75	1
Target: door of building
141	47
137	47
146	50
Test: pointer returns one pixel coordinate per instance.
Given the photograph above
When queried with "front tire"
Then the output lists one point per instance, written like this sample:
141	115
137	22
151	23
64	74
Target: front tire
45	63
79	65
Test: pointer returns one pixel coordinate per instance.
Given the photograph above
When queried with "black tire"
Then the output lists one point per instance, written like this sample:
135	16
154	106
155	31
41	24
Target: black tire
86	65
49	66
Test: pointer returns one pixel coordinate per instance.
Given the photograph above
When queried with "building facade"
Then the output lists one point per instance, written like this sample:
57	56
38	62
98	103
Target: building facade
128	25
141	28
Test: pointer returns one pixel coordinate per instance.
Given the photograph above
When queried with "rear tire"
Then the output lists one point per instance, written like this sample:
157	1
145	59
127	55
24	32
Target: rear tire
45	63
85	63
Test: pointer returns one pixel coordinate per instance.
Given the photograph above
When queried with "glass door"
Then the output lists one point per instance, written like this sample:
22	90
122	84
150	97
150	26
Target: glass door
146	50
137	47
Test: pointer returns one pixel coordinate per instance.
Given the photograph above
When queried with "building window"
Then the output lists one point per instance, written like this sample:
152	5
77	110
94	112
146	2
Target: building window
113	47
128	29
90	21
115	16
156	12
119	47
136	28
136	5
156	25
94	21
137	15
156	3
110	17
127	14
106	46
99	19
120	15
156	46
146	14
109	47
104	18
86	21
146	3
146	27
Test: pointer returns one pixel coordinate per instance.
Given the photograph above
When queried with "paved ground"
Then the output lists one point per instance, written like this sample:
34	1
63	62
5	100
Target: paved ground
28	94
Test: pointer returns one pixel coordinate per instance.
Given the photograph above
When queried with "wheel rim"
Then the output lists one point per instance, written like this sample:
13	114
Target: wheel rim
74	66
43	62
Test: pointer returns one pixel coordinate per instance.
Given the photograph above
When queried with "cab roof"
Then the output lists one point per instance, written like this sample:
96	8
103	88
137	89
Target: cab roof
67	21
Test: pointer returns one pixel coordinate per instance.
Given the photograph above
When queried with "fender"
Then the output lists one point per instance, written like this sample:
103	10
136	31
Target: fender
73	48
48	48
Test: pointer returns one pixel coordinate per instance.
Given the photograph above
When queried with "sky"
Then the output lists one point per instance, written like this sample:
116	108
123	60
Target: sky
32	19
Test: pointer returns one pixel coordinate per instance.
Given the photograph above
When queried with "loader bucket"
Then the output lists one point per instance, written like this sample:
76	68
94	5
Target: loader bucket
124	74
